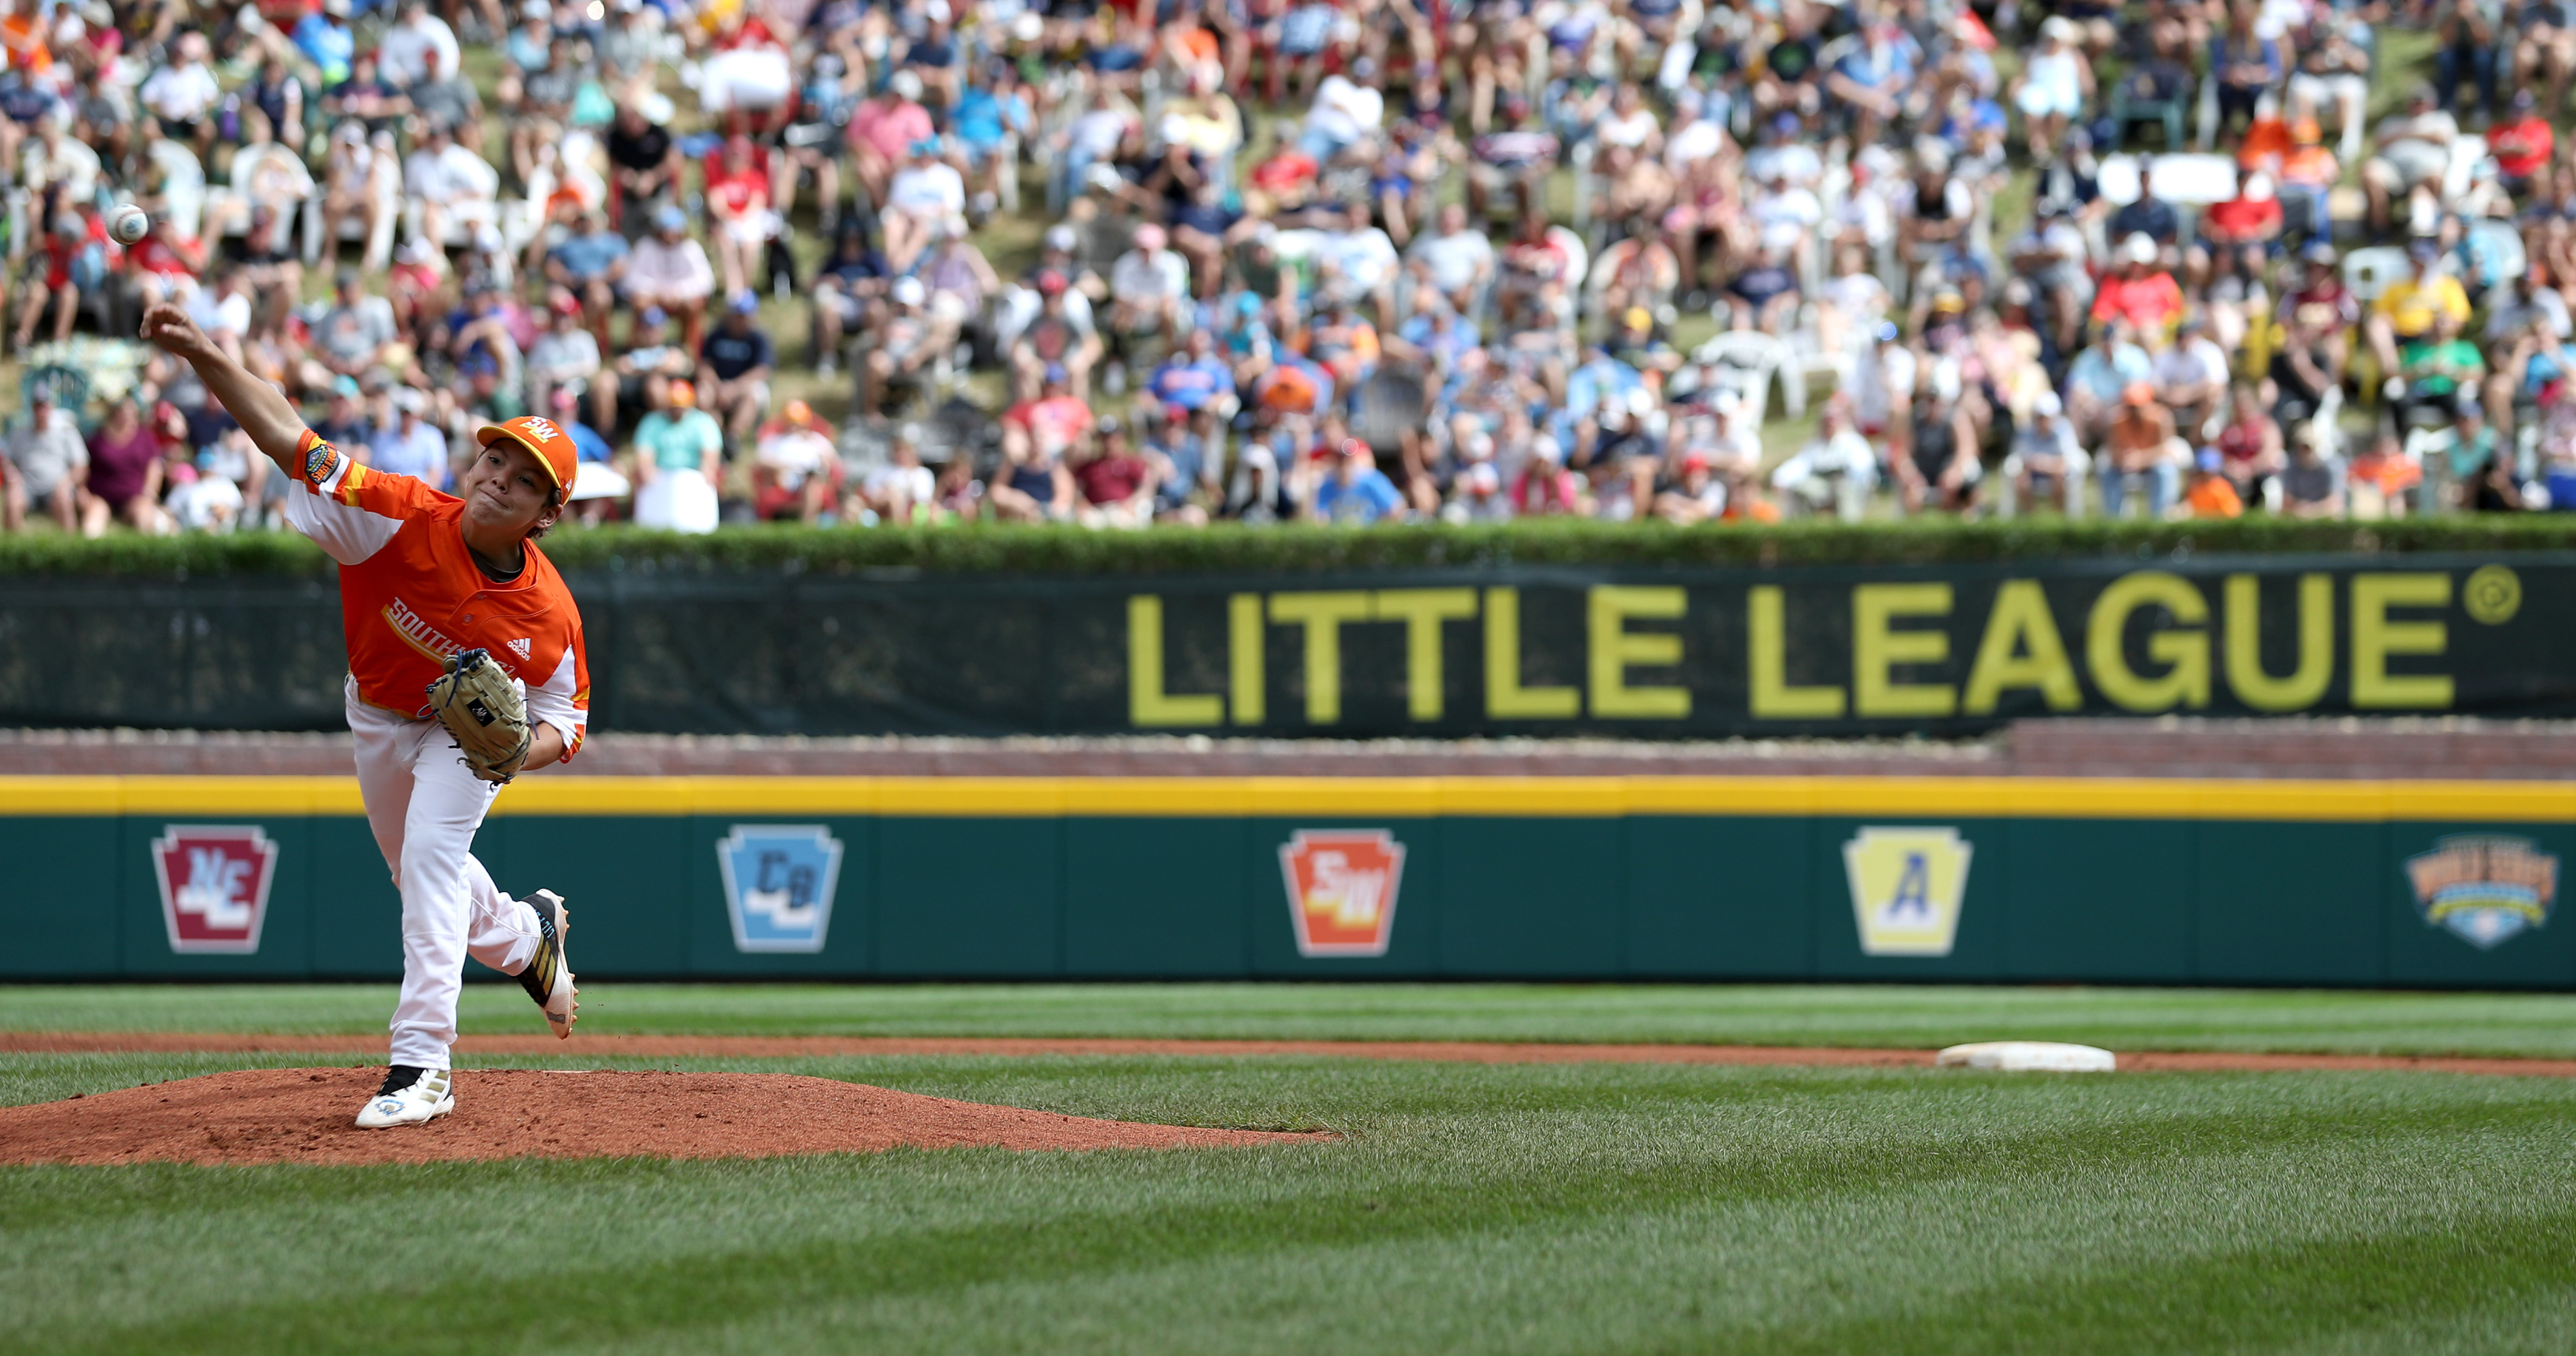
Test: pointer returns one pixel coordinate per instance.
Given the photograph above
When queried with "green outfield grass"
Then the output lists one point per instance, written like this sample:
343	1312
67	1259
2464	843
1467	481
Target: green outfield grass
1876	1015
1567	1208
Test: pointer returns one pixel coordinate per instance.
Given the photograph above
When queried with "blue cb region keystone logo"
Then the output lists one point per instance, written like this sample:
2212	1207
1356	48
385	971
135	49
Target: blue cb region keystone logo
778	882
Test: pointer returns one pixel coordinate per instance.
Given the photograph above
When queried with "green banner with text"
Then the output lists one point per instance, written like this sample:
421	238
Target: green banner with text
1947	649
1643	651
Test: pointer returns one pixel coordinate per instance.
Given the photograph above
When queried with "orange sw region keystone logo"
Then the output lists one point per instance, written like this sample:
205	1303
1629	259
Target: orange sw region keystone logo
1341	889
214	886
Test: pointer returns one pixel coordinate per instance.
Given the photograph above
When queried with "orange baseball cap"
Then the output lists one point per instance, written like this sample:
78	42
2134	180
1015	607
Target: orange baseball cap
554	447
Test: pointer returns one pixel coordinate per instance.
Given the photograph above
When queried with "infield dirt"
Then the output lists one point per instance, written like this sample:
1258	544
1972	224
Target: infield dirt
303	1116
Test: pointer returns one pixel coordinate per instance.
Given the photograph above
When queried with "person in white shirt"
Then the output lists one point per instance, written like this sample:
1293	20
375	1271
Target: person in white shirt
223	311
182	94
1343	114
793	466
2046	460
1785	154
669	269
925	193
1148	286
1455	258
1366	263
1838	469
2191	379
565	356
402	59
1787	216
59	159
414	446
1691	141
451	183
903	490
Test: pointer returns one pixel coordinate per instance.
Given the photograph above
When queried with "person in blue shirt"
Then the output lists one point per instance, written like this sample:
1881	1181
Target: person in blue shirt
588	264
1355	491
1183	470
1194	375
324	36
587	445
985	114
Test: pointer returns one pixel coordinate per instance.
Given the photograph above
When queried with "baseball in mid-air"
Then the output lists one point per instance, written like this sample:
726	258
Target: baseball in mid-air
129	224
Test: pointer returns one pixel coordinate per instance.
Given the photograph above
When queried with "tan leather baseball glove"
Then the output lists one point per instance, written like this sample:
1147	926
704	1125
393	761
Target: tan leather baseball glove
483	708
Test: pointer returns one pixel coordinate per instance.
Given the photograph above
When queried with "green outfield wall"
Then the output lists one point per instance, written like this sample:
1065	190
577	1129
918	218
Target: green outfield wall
2410	884
1636	651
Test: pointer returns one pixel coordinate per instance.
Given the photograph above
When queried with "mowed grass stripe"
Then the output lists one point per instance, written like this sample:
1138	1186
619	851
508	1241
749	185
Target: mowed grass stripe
1468	1157
1907	1016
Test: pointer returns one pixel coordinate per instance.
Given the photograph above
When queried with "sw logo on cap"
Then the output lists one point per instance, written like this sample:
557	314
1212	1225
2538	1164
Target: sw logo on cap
541	430
214	886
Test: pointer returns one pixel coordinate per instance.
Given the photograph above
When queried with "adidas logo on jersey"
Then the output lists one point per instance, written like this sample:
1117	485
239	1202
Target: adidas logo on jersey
518	647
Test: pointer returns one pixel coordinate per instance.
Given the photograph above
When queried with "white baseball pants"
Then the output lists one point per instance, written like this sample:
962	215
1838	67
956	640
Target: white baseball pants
424	807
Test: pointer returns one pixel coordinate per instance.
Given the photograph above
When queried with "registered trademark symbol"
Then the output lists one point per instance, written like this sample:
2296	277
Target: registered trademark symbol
2492	595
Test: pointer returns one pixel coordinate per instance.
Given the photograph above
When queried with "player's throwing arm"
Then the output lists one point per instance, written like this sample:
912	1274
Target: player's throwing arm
465	669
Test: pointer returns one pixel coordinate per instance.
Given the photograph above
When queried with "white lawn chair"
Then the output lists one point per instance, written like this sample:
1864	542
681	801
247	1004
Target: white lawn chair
228	209
1762	357
2505	243
2368	272
183	184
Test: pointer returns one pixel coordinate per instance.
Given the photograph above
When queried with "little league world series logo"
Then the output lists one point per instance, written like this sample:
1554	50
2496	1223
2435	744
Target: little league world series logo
1906	884
778	881
214	886
2485	887
1341	889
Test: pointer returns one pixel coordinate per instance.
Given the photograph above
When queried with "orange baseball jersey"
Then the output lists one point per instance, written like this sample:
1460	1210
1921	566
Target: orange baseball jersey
410	594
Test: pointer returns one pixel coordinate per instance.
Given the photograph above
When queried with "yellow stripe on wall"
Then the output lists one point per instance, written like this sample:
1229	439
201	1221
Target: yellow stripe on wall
1350	797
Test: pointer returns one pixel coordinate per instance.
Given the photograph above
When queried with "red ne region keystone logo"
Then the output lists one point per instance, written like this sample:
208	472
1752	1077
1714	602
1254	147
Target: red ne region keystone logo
1341	889
214	886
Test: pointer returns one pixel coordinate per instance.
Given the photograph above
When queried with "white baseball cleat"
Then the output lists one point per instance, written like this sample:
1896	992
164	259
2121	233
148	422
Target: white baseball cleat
410	1096
548	976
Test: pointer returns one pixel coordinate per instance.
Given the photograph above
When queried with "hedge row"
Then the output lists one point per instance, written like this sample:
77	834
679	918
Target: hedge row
1050	550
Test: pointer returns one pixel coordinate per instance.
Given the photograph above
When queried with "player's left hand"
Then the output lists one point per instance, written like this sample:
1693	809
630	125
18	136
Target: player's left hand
485	709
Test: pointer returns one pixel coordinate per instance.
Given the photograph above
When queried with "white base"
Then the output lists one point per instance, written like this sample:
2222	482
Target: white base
2028	1056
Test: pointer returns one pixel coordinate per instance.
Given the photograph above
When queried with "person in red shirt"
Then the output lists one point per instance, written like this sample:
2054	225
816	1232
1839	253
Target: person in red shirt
738	201
1057	420
2521	143
423	578
2139	292
68	262
164	265
1117	485
2239	232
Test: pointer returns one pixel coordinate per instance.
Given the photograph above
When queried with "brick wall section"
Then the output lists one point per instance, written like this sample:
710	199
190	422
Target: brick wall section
2171	747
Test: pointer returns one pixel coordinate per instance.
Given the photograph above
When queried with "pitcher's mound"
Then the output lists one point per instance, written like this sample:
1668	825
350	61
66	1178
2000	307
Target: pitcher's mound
303	1115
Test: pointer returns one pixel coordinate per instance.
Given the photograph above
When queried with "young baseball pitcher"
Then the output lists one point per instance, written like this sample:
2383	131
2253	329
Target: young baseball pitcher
465	666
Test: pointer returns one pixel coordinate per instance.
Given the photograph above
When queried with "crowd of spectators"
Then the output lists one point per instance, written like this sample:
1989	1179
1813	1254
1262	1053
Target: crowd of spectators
1308	260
